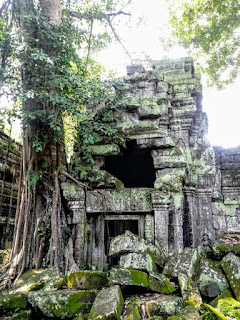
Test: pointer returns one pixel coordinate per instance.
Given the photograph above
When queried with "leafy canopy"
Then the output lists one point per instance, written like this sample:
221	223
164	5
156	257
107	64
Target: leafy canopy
60	77
211	31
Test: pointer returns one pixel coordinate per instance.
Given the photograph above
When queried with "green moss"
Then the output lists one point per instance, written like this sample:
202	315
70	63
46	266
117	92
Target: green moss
225	294
12	301
105	149
63	304
133	311
128	277
229	307
86	280
139	278
208	316
108	304
160	283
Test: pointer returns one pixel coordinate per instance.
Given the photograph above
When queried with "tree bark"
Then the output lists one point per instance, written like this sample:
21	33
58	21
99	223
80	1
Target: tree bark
40	208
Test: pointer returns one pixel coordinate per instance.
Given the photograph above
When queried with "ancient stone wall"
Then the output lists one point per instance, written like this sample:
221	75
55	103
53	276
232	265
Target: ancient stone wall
10	161
226	210
165	181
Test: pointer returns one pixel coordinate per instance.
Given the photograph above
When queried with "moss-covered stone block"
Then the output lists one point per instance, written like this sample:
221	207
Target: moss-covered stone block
225	294
160	283
86	280
189	290
187	263
102	150
227	242
107	305
32	280
62	304
231	266
211	280
164	305
188	313
129	242
126	277
133	311
12	301
138	261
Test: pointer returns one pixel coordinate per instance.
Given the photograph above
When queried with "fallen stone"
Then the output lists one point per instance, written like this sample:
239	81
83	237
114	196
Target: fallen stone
86	280
138	261
227	242
133	311
231	267
62	304
211	280
108	304
160	283
129	242
225	294
164	306
12	301
189	290
45	279
185	262
188	313
126	277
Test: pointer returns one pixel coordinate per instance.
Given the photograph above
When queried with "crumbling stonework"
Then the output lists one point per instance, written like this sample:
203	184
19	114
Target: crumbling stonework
163	181
10	162
189	191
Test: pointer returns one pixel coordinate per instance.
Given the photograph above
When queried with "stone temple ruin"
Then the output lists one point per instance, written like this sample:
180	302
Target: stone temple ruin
161	185
165	183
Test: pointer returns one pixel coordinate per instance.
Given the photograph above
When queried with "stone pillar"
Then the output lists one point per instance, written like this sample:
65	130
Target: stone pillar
79	220
160	203
190	214
205	230
177	224
149	228
75	196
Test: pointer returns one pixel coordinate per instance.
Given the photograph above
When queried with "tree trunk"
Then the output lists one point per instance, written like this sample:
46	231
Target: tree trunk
38	234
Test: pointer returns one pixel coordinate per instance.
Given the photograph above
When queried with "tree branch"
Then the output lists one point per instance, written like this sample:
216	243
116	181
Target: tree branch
97	16
117	37
102	16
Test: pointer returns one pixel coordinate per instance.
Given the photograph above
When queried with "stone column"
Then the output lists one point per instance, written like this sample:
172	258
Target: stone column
149	228
79	220
160	203
190	214
205	230
178	230
75	196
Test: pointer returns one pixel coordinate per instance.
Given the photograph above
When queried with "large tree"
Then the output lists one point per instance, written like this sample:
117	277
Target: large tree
42	71
210	29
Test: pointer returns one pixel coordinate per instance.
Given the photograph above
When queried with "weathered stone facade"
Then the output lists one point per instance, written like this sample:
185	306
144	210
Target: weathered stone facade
166	183
10	162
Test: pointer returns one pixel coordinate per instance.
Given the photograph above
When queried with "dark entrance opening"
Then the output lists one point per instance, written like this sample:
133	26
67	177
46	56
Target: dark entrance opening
134	167
114	228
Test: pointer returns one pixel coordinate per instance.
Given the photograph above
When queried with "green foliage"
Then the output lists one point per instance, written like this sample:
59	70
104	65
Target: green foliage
97	127
210	29
59	80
